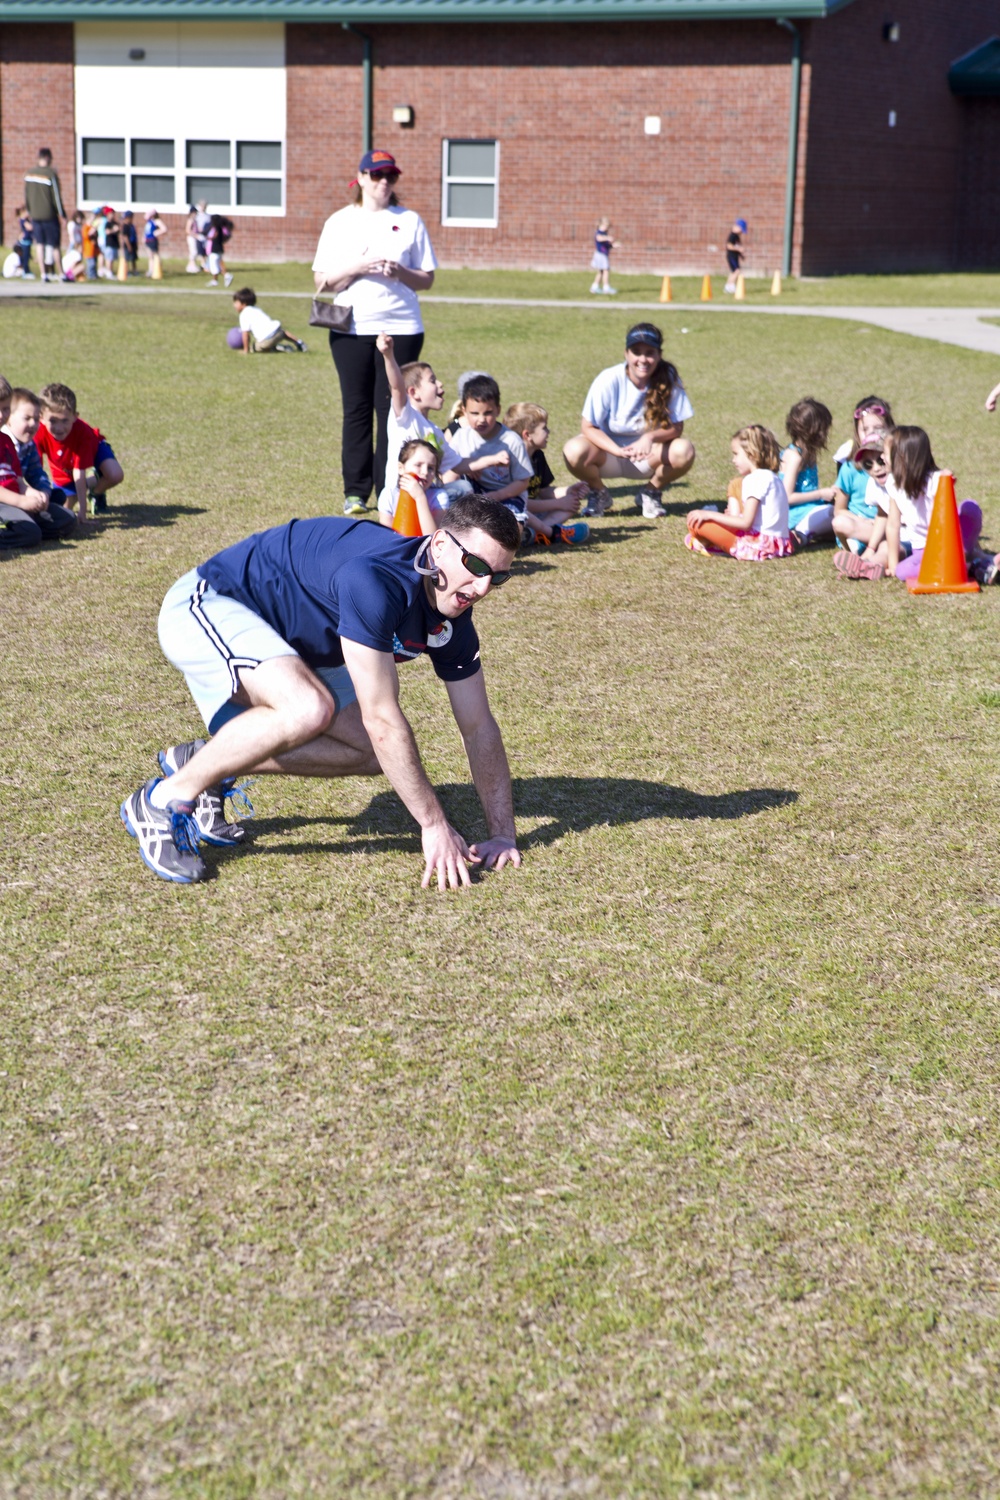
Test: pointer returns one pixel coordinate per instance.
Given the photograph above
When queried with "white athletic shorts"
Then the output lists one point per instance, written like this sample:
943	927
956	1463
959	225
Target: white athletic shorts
613	467
209	637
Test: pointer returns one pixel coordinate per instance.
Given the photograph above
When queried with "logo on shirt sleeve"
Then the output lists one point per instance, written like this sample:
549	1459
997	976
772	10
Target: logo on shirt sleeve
440	635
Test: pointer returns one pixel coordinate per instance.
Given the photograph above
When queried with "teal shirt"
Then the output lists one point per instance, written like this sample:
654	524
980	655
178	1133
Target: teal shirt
854	484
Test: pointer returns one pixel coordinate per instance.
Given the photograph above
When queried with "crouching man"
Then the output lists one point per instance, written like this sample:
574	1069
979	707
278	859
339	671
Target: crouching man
289	642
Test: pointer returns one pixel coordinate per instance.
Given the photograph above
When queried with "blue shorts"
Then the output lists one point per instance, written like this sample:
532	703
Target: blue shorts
210	637
46	232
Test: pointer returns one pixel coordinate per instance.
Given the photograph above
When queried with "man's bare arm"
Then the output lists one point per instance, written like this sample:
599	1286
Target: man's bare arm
490	770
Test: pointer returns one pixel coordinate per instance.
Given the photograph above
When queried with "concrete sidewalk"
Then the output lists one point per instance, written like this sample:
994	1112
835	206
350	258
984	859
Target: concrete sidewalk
962	326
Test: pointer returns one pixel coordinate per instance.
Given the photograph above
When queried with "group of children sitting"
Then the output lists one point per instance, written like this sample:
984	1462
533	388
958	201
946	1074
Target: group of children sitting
37	505
878	511
478	452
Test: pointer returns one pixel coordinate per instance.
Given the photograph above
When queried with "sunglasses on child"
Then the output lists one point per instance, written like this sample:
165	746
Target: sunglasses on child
873	461
876	411
478	566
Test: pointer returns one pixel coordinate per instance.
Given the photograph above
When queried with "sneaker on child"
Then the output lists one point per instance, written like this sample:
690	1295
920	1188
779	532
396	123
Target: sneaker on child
650	502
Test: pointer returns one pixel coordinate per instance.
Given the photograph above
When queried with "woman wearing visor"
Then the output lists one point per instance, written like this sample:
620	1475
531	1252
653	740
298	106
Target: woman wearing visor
375	256
632	428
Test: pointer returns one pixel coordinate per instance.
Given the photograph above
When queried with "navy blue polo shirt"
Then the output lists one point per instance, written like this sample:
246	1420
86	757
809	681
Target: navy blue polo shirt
315	582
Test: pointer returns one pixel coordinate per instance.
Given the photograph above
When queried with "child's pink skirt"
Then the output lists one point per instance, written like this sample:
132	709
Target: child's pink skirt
760	546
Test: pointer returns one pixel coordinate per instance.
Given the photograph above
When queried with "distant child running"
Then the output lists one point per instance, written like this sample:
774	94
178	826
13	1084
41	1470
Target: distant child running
600	261
755	526
810	508
551	507
72	449
261	334
735	253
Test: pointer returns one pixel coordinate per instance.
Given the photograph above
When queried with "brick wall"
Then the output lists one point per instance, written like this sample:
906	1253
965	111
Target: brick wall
36	109
880	197
567	104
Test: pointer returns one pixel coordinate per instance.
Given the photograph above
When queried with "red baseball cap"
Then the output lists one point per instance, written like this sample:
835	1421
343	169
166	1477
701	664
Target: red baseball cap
381	162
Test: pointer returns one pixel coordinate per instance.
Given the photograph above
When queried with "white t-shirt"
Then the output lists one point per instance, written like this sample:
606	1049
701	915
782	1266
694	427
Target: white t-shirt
381	304
914	510
468	444
255	321
768	489
410	424
876	495
616	406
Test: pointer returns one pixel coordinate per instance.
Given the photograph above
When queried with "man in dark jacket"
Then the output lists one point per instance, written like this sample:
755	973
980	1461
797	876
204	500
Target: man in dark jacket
43	198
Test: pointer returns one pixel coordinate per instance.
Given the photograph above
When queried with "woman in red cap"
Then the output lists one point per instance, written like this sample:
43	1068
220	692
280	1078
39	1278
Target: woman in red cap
376	256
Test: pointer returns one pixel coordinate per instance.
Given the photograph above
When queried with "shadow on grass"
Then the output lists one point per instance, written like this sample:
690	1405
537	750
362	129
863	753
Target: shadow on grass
128	517
568	804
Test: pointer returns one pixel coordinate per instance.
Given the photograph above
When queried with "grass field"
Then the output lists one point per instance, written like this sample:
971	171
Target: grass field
667	1164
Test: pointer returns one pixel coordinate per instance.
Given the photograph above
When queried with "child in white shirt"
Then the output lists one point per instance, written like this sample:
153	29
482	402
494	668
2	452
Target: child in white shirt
415	392
261	334
755	526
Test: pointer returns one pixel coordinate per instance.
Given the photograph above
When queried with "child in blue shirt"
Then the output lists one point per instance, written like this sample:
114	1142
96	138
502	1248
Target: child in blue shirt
600	261
810	508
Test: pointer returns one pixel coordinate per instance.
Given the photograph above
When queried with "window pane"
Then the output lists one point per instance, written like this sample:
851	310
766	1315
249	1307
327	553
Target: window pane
258	156
104	185
258	192
216	189
103	153
472	158
470	200
210	154
152	190
152	153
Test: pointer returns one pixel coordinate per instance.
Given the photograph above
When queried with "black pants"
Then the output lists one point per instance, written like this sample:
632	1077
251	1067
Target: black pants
19	529
364	393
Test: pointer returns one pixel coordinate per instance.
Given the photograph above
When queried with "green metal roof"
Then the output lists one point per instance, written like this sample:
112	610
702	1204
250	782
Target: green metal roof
977	74
374	11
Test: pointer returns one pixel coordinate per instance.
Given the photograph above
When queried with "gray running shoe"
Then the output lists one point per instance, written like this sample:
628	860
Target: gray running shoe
650	502
597	503
355	506
210	808
168	837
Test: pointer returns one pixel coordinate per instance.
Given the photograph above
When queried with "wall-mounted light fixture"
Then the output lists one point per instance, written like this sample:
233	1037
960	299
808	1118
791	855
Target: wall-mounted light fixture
402	114
651	125
136	54
890	31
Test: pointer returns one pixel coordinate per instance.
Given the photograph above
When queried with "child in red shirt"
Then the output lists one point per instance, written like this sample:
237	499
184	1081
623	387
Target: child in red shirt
72	447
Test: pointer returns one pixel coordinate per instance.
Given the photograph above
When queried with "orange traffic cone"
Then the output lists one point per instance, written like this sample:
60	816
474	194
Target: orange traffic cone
741	288
776	284
942	567
666	295
706	289
406	521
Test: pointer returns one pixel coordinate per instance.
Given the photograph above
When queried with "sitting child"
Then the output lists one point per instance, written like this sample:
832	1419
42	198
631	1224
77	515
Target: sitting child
912	483
261	333
872	414
415	391
417	476
481	435
458	405
755	526
72	448
23	411
25	518
860	507
810	509
550	506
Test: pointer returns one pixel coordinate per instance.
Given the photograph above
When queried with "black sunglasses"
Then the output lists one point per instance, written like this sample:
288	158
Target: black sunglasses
869	460
478	567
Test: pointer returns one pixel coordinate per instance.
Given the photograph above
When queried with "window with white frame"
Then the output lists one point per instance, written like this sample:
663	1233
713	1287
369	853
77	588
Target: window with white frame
138	172
470	183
